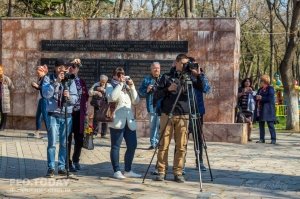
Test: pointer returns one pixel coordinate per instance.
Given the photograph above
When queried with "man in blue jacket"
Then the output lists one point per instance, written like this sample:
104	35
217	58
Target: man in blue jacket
199	91
146	89
58	91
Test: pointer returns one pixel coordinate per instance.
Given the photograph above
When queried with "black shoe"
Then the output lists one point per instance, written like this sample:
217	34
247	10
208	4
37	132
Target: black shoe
179	179
62	172
103	136
151	147
183	173
249	140
72	168
77	165
154	173
202	167
50	173
260	141
160	177
273	142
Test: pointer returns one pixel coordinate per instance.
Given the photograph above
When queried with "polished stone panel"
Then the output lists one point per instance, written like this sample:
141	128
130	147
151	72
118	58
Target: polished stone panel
213	42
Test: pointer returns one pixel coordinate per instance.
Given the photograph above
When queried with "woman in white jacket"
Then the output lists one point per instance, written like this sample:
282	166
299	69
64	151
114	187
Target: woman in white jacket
122	91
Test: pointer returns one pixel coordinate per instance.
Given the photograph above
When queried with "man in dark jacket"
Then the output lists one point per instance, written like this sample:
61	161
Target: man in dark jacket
205	88
167	91
59	93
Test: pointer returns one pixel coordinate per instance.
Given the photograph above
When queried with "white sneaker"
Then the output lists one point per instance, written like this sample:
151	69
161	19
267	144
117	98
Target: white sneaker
119	175
131	174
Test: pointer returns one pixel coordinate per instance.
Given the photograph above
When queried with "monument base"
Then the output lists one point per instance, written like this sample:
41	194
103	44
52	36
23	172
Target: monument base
214	132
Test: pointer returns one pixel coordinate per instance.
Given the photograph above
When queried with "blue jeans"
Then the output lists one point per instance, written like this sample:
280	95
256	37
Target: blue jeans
41	113
116	137
57	126
154	129
262	130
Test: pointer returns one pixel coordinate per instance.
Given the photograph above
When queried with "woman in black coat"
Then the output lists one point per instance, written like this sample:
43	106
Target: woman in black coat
265	109
247	103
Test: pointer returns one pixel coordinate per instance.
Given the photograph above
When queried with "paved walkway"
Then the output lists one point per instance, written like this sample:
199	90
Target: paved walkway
239	171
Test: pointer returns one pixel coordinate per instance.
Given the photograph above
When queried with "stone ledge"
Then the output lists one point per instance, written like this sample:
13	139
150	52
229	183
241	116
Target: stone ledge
213	132
225	132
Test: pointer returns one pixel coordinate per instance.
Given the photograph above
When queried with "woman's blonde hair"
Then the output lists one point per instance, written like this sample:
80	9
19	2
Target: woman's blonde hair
266	79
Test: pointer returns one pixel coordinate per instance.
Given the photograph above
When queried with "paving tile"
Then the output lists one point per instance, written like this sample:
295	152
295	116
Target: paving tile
239	171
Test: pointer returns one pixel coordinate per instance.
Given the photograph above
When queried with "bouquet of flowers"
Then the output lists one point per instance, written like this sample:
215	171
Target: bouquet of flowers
88	135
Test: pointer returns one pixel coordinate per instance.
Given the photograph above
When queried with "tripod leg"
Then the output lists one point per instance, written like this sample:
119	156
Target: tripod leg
197	150
200	123
208	163
162	133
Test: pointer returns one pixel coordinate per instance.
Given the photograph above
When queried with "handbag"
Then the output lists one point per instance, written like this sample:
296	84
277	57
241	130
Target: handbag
241	118
106	111
88	142
96	101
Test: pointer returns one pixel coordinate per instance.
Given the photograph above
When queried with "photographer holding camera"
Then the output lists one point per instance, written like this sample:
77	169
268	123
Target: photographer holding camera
122	91
167	91
146	90
98	93
59	89
78	116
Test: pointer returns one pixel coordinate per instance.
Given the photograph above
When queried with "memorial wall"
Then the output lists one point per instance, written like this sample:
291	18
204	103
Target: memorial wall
134	44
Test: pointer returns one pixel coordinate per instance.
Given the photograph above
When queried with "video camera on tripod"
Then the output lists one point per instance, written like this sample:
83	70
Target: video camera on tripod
189	66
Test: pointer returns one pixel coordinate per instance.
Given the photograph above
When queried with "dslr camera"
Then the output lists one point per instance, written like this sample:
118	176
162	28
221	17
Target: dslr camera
68	77
189	66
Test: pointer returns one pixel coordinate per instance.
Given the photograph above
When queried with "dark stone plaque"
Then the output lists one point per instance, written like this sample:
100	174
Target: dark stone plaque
115	46
92	68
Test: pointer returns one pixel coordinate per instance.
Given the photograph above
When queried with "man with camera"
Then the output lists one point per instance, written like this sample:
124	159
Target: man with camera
60	91
176	122
199	91
146	90
78	116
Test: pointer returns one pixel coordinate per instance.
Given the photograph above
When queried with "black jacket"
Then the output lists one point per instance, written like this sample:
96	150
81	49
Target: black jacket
168	98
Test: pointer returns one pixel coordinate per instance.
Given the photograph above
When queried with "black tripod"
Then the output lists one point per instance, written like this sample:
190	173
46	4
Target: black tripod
196	124
66	87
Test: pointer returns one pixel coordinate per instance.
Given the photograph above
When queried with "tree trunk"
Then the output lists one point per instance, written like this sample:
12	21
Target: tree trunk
192	8
155	7
187	12
10	9
121	9
291	95
271	37
203	8
213	8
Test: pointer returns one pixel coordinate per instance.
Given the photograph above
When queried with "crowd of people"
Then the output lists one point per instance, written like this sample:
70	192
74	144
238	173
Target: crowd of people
65	99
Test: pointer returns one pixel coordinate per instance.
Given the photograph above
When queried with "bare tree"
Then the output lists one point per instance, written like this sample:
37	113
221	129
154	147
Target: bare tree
187	11
121	9
10	8
193	8
291	94
271	35
155	6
